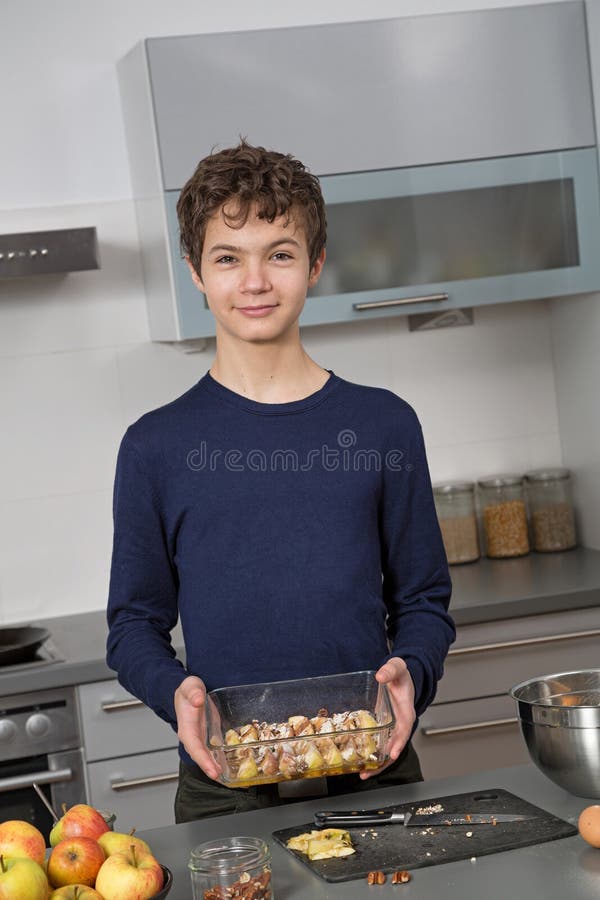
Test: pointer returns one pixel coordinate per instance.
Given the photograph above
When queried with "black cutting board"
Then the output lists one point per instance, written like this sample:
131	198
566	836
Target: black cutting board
391	847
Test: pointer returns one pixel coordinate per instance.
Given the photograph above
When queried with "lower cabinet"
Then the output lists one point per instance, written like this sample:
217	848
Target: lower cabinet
470	735
472	724
139	790
131	757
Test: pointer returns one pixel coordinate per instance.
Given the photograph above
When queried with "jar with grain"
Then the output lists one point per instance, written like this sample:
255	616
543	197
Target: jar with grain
551	509
504	516
455	507
231	867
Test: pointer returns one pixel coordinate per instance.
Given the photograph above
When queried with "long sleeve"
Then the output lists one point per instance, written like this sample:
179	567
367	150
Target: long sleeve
142	605
416	580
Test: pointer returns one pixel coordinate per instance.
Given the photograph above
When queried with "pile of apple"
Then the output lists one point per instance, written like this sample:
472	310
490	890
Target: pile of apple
87	861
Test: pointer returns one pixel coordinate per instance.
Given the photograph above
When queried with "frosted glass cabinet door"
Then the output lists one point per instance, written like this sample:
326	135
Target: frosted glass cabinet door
440	237
487	231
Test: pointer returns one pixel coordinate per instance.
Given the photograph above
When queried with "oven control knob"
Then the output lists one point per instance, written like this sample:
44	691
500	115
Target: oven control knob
37	725
8	731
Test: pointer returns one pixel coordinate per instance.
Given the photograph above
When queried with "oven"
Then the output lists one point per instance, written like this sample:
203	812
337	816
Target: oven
40	744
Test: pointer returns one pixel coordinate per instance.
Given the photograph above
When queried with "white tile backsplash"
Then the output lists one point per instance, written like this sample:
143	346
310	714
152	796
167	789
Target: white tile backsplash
576	351
55	555
360	352
471	461
153	374
488	382
103	307
61	421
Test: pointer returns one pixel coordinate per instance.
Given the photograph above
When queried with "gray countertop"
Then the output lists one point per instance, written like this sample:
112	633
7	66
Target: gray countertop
529	585
561	869
79	641
484	591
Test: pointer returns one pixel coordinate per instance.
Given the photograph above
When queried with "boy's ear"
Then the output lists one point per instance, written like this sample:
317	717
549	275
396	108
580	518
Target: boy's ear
315	272
195	277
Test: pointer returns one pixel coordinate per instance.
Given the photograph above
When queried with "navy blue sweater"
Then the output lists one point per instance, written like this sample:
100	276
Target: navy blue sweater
292	539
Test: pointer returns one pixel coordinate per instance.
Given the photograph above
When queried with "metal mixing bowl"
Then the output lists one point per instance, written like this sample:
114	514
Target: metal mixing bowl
560	722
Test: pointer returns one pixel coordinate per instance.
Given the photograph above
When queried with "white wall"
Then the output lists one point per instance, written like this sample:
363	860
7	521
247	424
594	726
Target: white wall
76	364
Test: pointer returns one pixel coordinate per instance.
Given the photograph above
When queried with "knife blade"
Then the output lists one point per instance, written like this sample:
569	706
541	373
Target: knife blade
358	817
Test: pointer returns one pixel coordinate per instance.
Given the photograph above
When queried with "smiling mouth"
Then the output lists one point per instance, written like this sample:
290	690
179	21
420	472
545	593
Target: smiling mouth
257	310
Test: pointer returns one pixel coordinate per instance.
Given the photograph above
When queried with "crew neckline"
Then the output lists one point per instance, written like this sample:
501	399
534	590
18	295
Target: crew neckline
271	409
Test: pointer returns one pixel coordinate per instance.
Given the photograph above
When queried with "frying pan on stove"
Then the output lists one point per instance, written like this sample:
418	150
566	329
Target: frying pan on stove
19	644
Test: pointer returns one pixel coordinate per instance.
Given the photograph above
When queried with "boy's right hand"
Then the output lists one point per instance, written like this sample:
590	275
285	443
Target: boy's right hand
190	700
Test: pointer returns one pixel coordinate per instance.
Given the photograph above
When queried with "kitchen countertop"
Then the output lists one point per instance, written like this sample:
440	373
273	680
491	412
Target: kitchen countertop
560	869
484	591
80	643
493	589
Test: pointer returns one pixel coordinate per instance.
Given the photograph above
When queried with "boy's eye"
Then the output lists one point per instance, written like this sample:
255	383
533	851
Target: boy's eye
226	259
281	254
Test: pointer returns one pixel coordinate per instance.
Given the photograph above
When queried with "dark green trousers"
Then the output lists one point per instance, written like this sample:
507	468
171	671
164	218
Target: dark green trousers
199	797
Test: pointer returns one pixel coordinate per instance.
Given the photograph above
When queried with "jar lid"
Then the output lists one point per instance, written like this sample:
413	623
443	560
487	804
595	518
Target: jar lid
557	474
500	481
453	487
232	855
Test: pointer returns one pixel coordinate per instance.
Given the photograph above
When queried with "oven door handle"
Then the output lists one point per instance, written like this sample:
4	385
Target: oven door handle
16	782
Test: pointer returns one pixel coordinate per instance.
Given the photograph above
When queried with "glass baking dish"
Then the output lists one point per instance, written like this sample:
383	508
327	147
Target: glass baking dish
305	728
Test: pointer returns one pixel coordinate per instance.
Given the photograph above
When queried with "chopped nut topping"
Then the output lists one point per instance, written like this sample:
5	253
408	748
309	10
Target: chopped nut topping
246	888
376	877
429	810
402	877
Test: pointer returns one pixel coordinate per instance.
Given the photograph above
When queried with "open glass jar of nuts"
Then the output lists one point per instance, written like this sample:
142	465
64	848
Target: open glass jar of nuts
231	867
455	507
504	516
551	509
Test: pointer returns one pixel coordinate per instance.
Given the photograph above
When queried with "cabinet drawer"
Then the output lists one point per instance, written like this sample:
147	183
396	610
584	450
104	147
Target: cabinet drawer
116	724
490	659
139	789
470	736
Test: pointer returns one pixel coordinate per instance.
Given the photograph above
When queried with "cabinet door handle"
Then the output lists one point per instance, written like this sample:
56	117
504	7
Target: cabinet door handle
472	726
16	782
524	642
143	782
401	301
118	705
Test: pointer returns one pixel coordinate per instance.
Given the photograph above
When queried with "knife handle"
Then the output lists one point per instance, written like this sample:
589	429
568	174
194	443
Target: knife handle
355	817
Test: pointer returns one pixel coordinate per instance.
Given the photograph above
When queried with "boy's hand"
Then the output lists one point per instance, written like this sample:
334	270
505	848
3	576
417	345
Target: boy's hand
190	699
401	689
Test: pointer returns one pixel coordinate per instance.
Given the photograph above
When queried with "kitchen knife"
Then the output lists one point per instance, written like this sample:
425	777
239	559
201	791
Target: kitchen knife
359	817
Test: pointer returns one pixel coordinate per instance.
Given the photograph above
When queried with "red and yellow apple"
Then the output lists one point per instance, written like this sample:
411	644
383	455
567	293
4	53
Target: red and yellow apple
75	860
117	842
75	892
78	821
20	839
129	876
22	878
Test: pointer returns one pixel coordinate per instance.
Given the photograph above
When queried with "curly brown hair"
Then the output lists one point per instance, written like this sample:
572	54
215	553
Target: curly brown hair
274	183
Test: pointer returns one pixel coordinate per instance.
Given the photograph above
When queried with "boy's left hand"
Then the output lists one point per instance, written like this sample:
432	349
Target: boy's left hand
394	673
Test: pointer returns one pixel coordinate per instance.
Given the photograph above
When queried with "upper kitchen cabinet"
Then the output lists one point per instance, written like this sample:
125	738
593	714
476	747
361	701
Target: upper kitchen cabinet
456	153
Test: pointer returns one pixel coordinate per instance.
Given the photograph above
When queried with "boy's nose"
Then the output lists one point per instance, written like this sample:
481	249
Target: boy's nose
254	278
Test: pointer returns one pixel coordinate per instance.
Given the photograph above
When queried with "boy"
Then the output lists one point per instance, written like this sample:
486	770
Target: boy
284	514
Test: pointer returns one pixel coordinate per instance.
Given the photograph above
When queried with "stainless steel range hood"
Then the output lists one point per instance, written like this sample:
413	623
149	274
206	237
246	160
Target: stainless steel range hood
48	252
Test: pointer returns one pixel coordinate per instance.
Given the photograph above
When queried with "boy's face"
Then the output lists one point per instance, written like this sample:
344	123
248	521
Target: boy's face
256	277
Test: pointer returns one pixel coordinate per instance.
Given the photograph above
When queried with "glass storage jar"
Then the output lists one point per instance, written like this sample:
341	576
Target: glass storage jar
551	509
231	867
455	507
504	515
